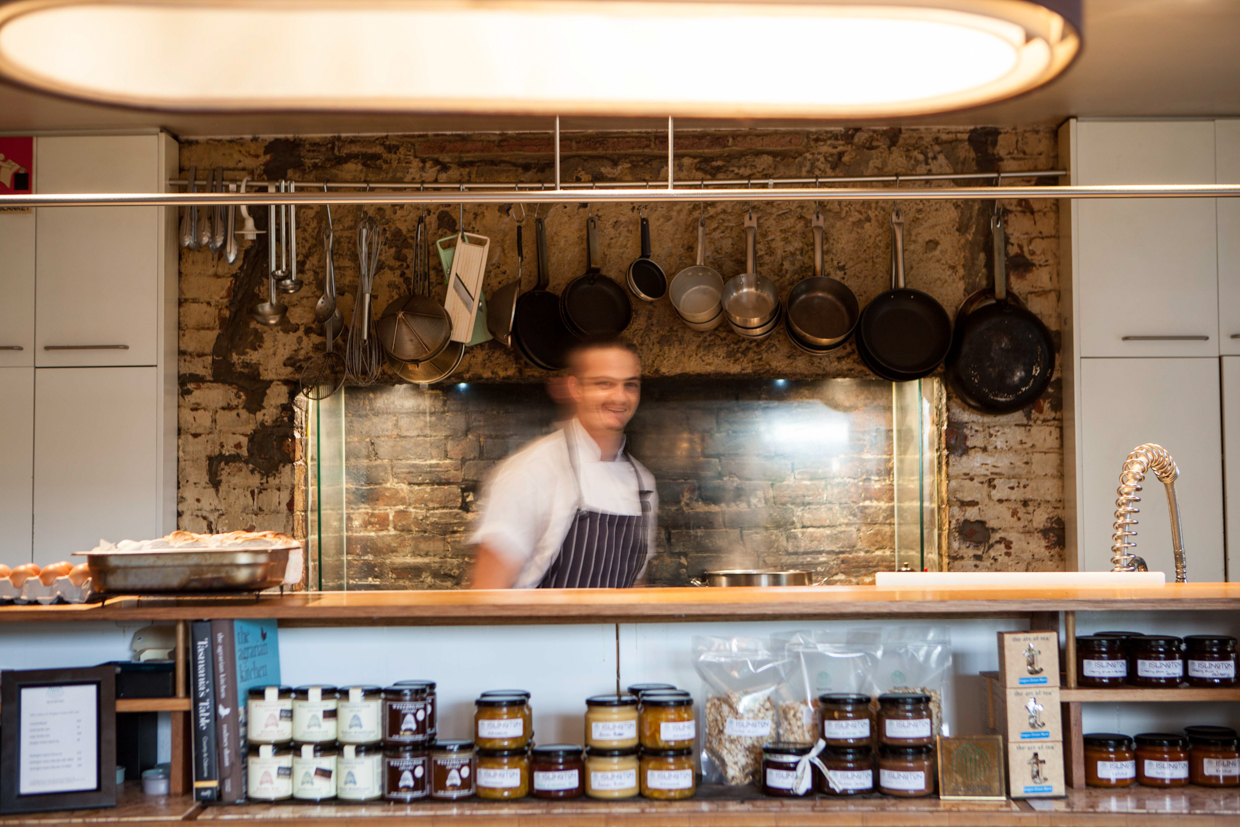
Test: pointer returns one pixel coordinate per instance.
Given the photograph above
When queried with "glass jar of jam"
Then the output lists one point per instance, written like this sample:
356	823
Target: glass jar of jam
846	720
667	774
407	715
432	704
269	772
638	688
406	773
905	720
1214	760
1156	661
666	720
359	715
1198	731
612	773
359	773
502	722
1211	660
269	715
557	771
314	714
503	774
906	772
1120	635
452	770
611	721
850	771
1109	760
780	760
1162	760
1101	662
314	772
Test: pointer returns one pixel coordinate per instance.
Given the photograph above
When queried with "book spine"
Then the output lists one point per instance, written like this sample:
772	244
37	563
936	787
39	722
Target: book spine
206	776
228	730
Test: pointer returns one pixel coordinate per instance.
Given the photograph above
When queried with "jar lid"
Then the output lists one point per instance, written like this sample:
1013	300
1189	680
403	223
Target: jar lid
847	753
1161	739
639	688
558	751
404	750
1156	642
1207	731
261	691
502	700
667	698
1105	644
1107	739
502	753
409	692
787	748
1226	643
887	749
1119	634
317	750
904	698
365	690
302	691
612	700
361	749
417	682
491	693
843	698
271	749
668	753
452	746
1219	741
610	753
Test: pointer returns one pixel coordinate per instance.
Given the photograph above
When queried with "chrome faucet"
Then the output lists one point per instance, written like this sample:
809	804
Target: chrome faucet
1143	459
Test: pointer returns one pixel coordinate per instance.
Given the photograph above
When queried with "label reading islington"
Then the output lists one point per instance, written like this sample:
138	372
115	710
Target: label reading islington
1160	668
846	729
677	730
556	780
1166	769
499	779
908	728
901	780
745	728
1105	668
613	780
613	730
669	779
1212	669
1117	770
501	727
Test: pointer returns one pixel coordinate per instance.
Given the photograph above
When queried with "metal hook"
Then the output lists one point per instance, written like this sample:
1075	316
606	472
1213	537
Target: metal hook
817	204
460	216
329	210
512	213
998	210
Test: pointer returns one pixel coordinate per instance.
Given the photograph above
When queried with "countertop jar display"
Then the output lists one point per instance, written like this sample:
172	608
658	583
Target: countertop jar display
1214	759
407	715
452	770
557	771
1156	661
1162	760
314	772
611	721
1210	660
432	703
359	715
666	720
1101	662
314	714
850	771
502	722
269	772
612	773
269	715
906	772
905	719
359	773
406	773
779	768
502	774
667	775
1109	760
846	720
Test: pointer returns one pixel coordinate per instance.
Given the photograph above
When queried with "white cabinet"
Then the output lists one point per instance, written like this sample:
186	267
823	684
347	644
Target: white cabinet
1144	267
1175	403
16	463
1231	451
1227	170
17	288
96	458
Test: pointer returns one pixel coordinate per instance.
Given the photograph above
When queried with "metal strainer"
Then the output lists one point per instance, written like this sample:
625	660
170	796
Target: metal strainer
415	328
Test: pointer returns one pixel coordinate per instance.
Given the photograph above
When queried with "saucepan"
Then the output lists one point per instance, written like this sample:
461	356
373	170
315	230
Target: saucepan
757	577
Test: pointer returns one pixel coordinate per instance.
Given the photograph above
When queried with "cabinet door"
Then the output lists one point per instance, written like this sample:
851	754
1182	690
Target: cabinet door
97	284
1227	163
16	463
16	289
95	457
1231	469
1171	402
1145	267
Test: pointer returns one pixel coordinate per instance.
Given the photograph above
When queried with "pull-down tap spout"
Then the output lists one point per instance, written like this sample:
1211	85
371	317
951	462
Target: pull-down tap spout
1143	459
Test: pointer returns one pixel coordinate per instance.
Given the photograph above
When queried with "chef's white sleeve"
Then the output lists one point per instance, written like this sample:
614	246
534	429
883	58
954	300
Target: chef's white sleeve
514	513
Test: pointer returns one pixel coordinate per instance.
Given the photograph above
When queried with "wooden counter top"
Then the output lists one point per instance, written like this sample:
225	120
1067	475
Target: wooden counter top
642	605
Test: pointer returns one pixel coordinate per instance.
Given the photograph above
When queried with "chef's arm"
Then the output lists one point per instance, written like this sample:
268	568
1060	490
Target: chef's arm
492	570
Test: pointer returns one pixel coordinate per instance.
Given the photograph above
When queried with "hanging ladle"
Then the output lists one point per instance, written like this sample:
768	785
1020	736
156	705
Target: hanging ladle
270	312
325	309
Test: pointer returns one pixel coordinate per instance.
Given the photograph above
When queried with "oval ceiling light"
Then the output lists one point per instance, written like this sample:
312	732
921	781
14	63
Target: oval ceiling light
707	58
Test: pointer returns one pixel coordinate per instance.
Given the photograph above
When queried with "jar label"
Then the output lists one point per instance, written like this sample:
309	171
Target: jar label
780	779
557	780
501	727
846	729
854	779
1218	669
902	780
1221	766
677	730
1166	769
613	780
359	777
745	728
270	777
669	779
1117	770
315	778
270	721
613	730
499	779
359	722
1105	668
907	728
1160	668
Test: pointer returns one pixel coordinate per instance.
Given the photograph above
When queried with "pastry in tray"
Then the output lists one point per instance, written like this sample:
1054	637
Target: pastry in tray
188	540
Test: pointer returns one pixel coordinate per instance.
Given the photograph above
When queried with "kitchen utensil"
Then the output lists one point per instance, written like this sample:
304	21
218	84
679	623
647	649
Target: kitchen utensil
325	373
750	301
821	312
415	327
217	213
363	352
646	279
1002	356
469	261
592	304
905	333
447	251
432	370
270	312
758	333
757	577
248	231
290	283
696	291
538	328
231	248
502	312
189	219
325	307
202	230
197	570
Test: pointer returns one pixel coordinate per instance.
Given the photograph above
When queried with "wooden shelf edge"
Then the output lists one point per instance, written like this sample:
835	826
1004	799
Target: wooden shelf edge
1139	695
153	705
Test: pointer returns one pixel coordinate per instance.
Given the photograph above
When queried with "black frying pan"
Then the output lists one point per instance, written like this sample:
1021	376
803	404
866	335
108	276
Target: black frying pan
904	334
537	326
593	305
1002	356
821	312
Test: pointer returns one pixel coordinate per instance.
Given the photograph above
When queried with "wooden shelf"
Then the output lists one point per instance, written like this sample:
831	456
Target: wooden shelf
1134	694
153	705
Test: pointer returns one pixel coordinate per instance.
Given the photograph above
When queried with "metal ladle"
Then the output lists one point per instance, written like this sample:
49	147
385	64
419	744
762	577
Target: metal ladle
270	312
290	283
325	308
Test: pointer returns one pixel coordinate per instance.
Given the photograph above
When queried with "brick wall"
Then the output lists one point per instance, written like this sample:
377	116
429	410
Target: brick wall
238	380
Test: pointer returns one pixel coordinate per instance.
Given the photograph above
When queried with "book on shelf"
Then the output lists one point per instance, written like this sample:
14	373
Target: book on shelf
246	655
202	675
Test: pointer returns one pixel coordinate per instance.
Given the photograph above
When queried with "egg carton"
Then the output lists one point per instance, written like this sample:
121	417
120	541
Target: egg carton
62	590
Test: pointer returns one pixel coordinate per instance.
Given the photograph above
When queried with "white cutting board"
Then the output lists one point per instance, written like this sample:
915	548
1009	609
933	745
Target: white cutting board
932	579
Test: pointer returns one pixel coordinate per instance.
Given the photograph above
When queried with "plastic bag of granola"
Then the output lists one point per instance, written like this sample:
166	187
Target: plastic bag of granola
912	658
817	662
741	676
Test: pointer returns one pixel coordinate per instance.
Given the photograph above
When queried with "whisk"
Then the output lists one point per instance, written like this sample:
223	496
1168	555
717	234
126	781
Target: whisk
363	355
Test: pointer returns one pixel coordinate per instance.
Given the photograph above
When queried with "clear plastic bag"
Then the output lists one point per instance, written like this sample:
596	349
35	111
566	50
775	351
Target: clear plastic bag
741	676
912	658
817	662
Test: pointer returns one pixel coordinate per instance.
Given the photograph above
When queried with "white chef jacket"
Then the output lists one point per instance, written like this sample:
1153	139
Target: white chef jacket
530	500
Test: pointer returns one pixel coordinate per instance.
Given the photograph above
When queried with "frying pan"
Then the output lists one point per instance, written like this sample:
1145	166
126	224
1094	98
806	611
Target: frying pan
538	327
695	291
750	301
822	312
904	334
502	311
646	279
1002	356
593	305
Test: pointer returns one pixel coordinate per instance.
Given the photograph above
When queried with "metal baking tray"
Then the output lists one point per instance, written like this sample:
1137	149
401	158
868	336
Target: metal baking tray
191	570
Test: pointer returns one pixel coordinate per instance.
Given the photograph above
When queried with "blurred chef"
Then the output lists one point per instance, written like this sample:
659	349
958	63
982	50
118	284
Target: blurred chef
573	509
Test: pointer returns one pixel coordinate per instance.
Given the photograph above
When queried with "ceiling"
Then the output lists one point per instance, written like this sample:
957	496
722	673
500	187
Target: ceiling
1142	58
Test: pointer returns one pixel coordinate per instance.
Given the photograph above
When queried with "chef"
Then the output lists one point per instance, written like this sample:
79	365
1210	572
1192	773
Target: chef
573	509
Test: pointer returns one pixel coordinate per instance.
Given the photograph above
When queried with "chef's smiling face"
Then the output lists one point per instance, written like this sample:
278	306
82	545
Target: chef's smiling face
605	387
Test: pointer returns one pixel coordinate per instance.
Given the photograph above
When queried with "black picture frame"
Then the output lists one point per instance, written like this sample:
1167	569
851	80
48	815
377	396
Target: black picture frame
12	682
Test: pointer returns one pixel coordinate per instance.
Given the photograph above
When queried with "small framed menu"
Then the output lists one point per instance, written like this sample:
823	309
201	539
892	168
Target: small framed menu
57	739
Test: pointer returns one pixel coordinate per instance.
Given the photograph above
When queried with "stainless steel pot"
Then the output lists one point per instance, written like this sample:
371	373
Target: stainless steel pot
754	577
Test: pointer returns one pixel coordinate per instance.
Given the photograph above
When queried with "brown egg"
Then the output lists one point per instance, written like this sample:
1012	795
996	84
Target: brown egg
49	573
80	574
4	570
20	574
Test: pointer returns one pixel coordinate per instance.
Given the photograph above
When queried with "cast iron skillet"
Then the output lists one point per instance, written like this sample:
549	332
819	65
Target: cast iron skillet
594	306
904	334
1002	356
538	329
